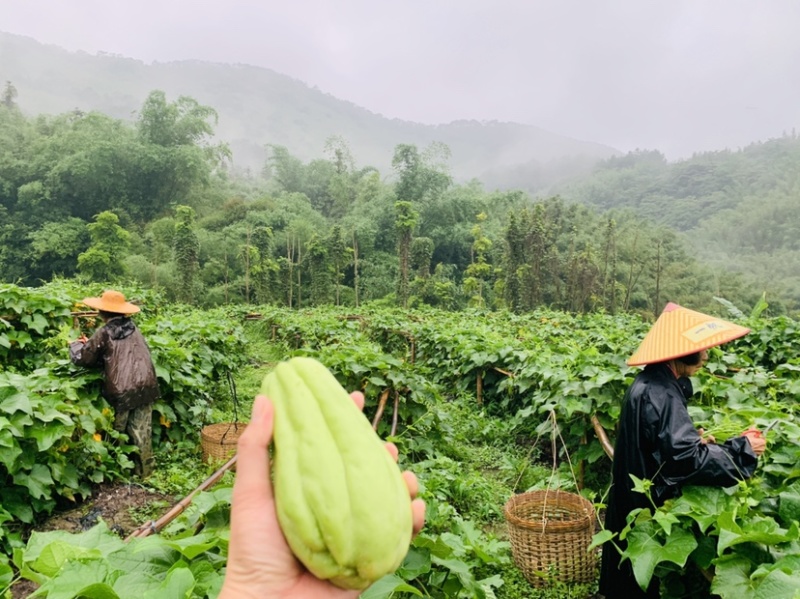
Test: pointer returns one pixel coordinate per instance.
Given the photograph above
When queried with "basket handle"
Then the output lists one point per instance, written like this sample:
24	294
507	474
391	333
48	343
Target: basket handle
555	434
232	385
235	424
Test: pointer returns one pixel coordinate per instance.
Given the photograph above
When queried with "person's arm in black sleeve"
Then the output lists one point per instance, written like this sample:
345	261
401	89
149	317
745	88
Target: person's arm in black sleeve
687	460
89	353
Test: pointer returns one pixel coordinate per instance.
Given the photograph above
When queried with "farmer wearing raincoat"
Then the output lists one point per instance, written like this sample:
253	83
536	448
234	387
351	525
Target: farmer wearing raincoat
657	440
130	383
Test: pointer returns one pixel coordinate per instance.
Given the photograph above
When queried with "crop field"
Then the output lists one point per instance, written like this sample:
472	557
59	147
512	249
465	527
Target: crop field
481	404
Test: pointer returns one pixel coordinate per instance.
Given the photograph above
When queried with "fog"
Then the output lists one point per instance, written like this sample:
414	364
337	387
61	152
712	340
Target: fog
678	76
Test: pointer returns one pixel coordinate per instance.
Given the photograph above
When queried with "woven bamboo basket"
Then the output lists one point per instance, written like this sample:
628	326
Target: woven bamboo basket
218	441
550	533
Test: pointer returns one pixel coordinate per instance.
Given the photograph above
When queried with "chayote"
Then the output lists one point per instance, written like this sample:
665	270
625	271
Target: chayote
342	503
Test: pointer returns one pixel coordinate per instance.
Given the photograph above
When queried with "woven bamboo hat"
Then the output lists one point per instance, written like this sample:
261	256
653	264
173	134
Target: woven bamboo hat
680	332
111	301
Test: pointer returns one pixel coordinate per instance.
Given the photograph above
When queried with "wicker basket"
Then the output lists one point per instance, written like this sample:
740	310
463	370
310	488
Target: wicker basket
219	441
550	533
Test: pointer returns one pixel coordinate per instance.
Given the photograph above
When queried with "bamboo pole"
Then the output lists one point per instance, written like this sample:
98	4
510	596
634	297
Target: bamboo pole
381	407
394	413
602	437
479	391
155	526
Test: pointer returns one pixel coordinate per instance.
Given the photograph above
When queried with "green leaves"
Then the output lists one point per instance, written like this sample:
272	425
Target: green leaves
734	580
648	547
753	530
98	564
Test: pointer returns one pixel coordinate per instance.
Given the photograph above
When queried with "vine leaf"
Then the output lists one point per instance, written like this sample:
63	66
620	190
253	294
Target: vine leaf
756	530
646	551
734	581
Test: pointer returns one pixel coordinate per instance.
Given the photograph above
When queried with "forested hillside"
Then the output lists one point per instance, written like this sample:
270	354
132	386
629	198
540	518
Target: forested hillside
739	209
152	202
257	106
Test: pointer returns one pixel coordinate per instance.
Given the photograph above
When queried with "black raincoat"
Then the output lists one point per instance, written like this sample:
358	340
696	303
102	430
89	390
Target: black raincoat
129	375
658	441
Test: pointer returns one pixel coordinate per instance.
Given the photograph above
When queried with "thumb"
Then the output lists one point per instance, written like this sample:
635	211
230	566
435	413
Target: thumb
252	464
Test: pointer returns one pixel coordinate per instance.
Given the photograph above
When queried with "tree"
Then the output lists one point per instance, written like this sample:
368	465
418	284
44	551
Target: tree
419	179
184	122
288	171
477	273
515	260
55	247
177	156
405	221
186	248
264	266
319	270
9	99
421	256
341	187
339	255
102	261
609	275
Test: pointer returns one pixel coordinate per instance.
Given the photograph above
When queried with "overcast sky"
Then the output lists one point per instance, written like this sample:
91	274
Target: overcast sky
675	75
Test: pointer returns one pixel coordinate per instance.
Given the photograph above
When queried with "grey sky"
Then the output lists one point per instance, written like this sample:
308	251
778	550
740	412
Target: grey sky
674	75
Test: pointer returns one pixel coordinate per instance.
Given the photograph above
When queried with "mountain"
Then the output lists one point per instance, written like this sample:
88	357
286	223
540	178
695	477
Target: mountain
258	106
739	209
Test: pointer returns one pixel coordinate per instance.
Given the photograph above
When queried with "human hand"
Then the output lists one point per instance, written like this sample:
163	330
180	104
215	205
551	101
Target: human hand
706	438
757	440
260	562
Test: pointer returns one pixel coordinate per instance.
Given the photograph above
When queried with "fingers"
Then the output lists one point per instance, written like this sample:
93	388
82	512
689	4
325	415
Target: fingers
418	515
417	505
757	441
358	397
393	451
252	463
411	483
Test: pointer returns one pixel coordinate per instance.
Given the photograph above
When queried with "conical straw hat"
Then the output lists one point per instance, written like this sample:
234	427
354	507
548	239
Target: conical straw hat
111	301
680	332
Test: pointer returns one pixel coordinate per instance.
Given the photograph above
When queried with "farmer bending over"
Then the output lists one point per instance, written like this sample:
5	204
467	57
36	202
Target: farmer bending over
130	384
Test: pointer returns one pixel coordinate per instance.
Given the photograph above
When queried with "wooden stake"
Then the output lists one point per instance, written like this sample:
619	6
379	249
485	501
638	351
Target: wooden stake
154	527
396	410
479	392
381	407
602	437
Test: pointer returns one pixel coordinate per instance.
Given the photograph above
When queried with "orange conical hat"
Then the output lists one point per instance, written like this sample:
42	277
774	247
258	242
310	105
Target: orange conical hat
680	332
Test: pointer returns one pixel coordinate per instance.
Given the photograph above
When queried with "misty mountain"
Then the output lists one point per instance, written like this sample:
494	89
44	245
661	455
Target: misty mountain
740	210
258	106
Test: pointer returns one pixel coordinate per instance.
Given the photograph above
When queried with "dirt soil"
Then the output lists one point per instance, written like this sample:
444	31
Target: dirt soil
114	504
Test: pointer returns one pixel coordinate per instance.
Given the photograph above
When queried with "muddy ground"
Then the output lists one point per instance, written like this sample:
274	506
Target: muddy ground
124	507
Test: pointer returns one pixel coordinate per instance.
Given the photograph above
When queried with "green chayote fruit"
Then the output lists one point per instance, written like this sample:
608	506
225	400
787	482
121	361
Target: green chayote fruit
342	503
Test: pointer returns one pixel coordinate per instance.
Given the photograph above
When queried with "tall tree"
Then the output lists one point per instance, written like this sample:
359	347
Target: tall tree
404	223
477	273
265	266
339	255
609	275
9	99
515	261
319	270
186	248
103	260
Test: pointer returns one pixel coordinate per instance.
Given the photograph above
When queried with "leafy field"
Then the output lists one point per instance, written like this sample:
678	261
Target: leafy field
469	398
